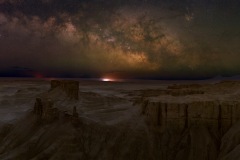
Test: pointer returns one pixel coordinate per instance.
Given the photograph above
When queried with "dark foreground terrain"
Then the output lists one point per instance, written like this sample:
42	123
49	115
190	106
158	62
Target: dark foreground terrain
91	120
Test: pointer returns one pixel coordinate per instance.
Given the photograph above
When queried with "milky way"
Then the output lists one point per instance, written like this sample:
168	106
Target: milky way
133	39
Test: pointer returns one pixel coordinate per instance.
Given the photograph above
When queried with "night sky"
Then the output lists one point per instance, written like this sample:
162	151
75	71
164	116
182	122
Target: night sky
150	39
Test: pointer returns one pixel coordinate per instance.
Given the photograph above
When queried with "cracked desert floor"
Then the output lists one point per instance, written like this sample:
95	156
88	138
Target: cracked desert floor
128	120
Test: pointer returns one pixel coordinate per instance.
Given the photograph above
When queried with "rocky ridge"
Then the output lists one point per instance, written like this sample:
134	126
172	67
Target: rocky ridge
179	106
48	110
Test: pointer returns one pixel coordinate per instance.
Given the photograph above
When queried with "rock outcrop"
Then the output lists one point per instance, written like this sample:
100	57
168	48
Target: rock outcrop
217	115
45	109
172	92
182	106
71	88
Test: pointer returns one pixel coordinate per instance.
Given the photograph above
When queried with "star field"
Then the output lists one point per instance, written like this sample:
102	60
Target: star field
133	39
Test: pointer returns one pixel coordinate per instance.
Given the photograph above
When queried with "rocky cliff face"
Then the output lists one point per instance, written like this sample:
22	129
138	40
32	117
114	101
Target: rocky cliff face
196	121
218	115
182	106
48	110
45	110
71	88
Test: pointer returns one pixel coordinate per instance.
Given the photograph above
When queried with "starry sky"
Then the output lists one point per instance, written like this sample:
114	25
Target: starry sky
149	39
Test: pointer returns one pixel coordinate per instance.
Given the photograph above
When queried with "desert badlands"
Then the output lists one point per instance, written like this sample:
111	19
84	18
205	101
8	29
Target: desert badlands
94	120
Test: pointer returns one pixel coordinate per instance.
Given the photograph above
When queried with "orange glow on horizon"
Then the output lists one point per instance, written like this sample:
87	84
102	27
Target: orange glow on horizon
112	77
107	79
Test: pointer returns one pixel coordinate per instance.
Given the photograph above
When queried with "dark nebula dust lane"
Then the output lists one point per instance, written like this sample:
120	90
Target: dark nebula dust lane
155	39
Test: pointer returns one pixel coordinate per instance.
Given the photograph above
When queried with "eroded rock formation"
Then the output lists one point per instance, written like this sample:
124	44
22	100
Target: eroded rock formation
48	111
45	109
182	122
182	106
71	88
218	115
